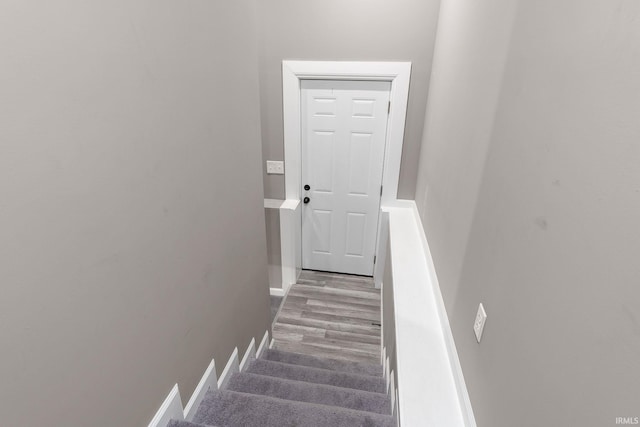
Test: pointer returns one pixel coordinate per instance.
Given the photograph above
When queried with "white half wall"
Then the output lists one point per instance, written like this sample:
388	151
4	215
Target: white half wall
431	388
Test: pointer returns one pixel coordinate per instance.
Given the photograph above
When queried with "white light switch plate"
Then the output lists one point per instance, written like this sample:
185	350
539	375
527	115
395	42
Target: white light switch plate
275	167
478	325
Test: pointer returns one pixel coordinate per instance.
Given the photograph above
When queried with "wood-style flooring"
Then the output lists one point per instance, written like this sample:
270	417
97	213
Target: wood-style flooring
331	315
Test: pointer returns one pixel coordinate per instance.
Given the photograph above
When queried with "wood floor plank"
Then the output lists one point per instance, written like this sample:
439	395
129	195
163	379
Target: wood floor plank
337	291
338	348
303	293
336	319
342	312
344	305
339	285
348	336
285	328
329	317
331	326
295	298
341	344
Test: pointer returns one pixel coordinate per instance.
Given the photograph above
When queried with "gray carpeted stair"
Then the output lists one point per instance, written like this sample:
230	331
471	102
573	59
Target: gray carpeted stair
283	389
233	409
318	362
312	393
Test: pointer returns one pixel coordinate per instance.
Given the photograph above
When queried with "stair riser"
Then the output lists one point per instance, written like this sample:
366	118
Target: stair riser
318	376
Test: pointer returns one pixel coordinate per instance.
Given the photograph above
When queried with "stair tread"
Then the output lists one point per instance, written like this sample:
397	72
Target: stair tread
374	384
235	409
323	363
301	391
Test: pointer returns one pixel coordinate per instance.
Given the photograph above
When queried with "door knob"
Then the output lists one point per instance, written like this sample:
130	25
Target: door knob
306	200
307	188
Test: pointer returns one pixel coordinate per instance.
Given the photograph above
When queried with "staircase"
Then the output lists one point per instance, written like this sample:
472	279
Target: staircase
289	389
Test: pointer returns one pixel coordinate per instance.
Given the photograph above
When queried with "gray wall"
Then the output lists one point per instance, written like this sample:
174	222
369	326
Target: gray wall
529	191
356	30
132	242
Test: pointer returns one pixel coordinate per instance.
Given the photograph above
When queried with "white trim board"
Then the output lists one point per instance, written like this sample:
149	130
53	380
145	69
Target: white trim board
171	409
232	366
387	373
293	72
207	382
276	292
273	203
427	364
383	357
249	355
393	392
263	345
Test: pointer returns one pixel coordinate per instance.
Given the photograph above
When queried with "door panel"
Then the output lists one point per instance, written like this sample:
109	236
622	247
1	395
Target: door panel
321	150
322	231
360	163
355	235
344	126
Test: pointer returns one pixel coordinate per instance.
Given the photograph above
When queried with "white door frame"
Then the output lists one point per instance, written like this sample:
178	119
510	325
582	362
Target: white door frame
397	73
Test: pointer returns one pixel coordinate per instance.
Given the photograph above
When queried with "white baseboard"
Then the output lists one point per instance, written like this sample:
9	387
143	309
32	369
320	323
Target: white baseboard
232	366
276	292
249	355
170	409
383	356
263	345
396	411
272	343
207	382
383	349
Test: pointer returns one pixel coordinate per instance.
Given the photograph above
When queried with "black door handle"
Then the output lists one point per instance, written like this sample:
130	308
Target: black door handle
307	188
306	200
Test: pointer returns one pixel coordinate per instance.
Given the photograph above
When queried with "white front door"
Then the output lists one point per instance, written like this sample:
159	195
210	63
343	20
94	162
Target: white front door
344	127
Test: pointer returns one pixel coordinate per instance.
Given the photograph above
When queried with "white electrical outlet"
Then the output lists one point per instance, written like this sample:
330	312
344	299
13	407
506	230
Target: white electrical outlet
275	167
478	325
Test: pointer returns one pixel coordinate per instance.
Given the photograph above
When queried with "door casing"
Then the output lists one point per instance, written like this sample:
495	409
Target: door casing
398	74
